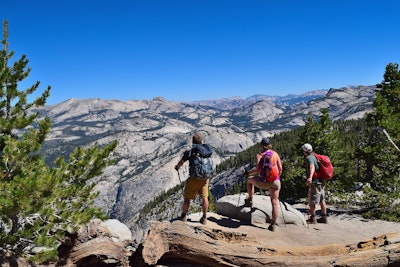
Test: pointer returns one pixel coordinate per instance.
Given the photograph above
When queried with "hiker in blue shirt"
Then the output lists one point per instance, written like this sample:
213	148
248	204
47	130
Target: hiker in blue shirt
197	183
316	193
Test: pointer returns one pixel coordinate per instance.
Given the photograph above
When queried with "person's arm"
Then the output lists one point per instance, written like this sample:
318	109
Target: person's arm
255	171
252	172
279	165
310	173
180	163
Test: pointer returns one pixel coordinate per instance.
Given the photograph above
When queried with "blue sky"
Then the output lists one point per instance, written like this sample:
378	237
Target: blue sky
186	50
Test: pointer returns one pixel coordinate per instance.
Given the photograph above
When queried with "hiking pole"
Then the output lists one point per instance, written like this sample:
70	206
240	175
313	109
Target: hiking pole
240	187
308	205
283	216
180	181
183	193
237	206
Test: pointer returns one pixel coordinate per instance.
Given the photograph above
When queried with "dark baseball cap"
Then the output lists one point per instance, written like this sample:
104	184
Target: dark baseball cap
265	141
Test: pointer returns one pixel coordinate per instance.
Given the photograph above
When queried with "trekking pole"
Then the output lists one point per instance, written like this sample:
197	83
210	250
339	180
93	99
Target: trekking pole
237	206
308	205
283	216
180	181
240	188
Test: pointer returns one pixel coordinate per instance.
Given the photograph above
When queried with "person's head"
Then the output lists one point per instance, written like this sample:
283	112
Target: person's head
266	143
307	148
197	139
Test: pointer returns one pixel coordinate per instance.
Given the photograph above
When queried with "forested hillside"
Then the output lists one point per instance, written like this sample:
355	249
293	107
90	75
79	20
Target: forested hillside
288	145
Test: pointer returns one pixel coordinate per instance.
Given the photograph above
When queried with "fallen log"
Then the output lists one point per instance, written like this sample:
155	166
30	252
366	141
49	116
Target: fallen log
178	242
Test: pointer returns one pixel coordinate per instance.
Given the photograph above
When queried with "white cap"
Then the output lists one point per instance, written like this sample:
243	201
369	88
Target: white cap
307	147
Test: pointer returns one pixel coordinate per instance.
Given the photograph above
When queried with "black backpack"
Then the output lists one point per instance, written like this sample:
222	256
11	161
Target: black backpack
202	167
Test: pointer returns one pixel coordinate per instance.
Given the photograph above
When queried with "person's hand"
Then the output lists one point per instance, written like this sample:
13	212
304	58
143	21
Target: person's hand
246	171
308	182
259	156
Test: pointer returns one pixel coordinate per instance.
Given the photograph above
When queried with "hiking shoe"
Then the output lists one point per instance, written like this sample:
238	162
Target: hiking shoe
271	227
182	217
323	219
312	220
203	220
248	203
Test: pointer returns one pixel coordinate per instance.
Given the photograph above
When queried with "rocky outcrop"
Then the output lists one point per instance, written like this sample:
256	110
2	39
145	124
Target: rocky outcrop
233	206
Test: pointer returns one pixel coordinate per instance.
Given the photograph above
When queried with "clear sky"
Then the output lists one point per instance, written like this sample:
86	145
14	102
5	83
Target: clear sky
185	50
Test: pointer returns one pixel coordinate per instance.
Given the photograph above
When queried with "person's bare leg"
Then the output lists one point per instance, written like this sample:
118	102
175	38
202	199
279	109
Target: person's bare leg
323	208
274	195
250	188
186	204
312	209
204	205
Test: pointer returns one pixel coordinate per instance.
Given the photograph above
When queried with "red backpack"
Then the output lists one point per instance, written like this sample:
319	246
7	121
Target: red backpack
325	170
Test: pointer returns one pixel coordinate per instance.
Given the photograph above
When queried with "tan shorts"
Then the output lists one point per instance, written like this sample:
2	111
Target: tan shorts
195	186
265	185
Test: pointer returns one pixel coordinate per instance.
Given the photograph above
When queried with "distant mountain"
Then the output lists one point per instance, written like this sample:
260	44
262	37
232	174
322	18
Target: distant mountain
235	102
153	134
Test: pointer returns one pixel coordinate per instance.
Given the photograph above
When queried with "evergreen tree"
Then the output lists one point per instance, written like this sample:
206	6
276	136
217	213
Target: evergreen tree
380	152
38	204
321	135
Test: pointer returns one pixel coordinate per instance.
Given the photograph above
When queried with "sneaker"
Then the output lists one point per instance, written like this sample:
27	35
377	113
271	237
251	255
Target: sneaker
182	217
248	203
323	219
312	220
203	220
271	227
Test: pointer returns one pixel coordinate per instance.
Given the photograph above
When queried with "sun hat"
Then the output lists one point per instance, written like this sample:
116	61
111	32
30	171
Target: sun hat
307	147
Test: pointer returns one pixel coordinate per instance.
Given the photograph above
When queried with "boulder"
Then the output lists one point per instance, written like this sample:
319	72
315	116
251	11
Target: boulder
233	206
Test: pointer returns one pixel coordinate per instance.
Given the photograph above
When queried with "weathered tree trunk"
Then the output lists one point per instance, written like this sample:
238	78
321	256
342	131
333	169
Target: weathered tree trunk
177	242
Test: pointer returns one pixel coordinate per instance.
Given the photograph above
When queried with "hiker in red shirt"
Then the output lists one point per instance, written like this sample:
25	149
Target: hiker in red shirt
266	176
316	193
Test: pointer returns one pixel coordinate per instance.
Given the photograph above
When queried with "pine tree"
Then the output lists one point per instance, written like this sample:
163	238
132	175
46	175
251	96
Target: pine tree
39	204
323	138
380	152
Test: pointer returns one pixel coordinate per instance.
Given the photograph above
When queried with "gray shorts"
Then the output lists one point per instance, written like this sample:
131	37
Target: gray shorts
317	194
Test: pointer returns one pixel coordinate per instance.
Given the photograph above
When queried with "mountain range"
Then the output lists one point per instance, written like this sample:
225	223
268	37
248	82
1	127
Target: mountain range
153	134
